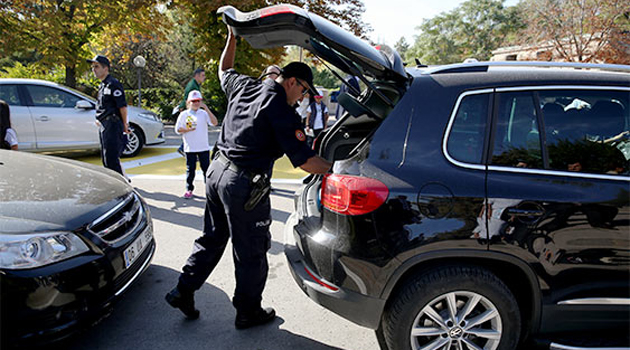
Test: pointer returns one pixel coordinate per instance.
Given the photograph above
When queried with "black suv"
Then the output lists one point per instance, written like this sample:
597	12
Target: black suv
470	206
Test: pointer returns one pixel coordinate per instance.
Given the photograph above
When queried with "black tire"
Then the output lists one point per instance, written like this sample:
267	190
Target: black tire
136	142
431	293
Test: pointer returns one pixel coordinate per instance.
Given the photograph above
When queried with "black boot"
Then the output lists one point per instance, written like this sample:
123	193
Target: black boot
247	319
184	301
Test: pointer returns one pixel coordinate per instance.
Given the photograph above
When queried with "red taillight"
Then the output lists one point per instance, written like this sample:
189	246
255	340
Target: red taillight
352	195
276	10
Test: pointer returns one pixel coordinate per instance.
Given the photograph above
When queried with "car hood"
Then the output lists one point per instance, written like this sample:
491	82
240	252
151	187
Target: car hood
282	25
41	193
138	110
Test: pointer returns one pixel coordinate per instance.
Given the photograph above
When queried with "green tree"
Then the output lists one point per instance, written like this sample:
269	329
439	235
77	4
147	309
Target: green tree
324	78
210	33
402	47
61	30
473	29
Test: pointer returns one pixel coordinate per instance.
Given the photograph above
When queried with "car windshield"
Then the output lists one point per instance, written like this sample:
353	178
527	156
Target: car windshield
85	96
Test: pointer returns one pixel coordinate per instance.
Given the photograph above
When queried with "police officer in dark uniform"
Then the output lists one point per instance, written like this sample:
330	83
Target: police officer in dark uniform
260	126
111	114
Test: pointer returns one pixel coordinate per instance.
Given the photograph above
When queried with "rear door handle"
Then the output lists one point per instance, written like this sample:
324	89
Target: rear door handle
43	118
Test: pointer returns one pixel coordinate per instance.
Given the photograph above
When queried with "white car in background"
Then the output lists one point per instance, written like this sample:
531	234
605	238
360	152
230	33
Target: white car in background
52	117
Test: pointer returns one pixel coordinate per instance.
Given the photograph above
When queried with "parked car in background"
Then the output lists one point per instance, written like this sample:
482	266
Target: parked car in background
51	117
483	205
73	239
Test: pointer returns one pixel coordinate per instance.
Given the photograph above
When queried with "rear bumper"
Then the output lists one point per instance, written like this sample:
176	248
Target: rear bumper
358	308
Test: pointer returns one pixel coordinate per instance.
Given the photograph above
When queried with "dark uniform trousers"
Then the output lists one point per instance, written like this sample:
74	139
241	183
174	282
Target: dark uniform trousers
112	142
227	191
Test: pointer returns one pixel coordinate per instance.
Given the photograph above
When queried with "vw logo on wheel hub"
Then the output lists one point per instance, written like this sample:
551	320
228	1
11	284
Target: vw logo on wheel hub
456	333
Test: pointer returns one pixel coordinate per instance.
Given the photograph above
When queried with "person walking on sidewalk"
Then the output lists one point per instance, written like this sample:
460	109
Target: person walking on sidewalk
192	124
260	126
199	76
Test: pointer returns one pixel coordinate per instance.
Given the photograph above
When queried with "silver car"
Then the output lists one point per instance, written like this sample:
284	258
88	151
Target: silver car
51	117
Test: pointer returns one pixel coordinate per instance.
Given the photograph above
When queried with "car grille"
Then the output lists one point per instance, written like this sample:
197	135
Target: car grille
121	221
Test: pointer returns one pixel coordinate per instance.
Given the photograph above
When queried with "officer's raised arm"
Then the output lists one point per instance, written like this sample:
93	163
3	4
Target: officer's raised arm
228	54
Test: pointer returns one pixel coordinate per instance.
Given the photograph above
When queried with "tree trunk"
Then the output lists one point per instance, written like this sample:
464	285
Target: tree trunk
71	75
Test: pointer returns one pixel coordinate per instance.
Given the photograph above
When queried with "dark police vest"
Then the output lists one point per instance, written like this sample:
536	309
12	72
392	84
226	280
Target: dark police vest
111	98
259	126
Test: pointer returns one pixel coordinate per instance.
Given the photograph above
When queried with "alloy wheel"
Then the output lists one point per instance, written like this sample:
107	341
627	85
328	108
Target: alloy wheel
133	143
459	320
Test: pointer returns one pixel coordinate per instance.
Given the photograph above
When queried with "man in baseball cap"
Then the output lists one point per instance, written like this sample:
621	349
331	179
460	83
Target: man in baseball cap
301	71
100	59
260	126
111	114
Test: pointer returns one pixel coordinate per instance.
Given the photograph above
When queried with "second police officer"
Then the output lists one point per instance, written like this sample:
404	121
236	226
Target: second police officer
111	114
260	126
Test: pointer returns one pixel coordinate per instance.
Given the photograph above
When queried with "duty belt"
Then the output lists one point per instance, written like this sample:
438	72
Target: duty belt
260	184
229	164
110	116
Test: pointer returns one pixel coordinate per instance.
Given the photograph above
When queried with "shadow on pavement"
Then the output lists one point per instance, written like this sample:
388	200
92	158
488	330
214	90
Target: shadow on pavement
176	217
172	213
143	320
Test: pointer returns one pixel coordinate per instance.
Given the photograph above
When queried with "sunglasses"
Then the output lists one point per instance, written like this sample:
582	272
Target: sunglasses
195	101
304	88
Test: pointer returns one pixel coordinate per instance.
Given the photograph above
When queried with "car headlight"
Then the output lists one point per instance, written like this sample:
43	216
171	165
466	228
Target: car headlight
149	116
28	251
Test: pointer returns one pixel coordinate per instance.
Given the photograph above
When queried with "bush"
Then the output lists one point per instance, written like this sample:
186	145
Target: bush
159	100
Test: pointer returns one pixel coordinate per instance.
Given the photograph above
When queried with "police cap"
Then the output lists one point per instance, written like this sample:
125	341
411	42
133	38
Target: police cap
301	71
100	59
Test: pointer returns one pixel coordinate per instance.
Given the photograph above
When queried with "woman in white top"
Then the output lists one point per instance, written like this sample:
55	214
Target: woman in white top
192	124
8	137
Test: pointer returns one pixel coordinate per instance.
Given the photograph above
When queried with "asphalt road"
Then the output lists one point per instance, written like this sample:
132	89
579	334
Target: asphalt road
143	320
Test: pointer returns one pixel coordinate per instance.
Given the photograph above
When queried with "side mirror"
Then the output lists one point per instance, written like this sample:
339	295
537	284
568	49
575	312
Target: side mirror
83	104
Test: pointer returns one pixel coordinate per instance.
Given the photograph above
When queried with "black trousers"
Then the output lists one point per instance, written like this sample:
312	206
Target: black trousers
191	166
113	142
225	218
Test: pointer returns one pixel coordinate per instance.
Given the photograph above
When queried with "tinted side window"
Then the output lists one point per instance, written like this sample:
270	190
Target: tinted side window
44	96
517	136
9	94
466	139
587	130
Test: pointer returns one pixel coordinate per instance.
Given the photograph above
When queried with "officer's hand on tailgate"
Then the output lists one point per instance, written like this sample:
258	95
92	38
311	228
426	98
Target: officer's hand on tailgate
316	165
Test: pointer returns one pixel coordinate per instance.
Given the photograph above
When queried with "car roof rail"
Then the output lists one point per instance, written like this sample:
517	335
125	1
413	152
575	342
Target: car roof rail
483	66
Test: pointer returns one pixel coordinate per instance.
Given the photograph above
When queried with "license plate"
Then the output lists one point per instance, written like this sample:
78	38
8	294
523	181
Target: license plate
135	249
